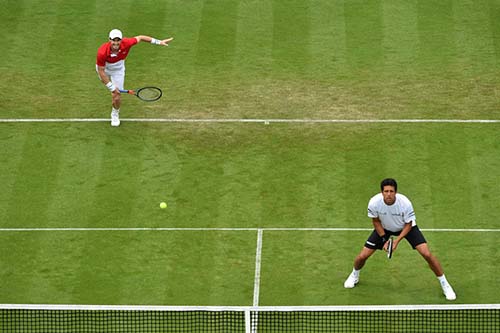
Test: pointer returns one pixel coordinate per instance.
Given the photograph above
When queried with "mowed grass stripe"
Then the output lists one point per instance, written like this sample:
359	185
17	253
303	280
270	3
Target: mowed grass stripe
11	162
128	268
12	17
118	178
149	64
474	37
217	37
437	44
483	175
36	175
364	37
400	37
291	37
78	177
254	41
31	13
175	69
178	63
475	56
252	75
455	157
493	9
241	188
293	175
72	24
327	40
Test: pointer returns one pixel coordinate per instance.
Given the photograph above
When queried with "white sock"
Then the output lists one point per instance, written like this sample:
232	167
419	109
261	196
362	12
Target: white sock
116	110
355	272
442	279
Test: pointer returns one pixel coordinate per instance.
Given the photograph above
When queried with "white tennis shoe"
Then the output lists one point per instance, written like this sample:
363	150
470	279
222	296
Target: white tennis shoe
115	118
448	292
351	281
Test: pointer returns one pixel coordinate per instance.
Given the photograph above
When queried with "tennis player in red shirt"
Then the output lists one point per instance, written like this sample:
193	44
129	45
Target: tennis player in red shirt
110	65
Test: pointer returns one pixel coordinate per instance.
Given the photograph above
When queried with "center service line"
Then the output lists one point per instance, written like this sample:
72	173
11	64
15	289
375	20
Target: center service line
258	255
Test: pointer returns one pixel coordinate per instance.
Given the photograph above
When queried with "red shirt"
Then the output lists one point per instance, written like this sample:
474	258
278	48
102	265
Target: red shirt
104	54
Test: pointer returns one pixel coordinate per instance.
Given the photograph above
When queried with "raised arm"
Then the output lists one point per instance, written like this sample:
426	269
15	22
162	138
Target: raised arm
148	39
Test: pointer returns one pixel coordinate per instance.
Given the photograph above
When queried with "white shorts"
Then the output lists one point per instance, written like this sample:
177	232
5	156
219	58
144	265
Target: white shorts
116	76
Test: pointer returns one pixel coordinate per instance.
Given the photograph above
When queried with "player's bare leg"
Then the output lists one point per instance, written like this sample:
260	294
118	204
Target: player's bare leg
115	113
359	262
435	266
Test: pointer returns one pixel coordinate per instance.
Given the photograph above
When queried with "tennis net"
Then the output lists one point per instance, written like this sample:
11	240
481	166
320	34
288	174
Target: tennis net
475	318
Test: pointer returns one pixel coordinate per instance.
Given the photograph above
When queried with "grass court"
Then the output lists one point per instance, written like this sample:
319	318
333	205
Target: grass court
244	60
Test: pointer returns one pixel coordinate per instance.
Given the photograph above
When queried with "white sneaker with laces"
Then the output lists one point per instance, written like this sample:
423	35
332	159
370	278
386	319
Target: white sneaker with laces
115	118
351	281
448	292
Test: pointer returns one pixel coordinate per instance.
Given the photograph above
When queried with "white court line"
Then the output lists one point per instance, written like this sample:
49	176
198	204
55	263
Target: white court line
230	229
256	284
265	121
258	255
403	307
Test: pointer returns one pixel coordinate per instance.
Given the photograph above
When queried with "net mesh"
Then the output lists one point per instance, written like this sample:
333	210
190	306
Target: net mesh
251	320
421	321
20	320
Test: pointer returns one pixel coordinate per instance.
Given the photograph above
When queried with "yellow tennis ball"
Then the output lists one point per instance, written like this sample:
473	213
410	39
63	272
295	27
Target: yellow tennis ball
163	205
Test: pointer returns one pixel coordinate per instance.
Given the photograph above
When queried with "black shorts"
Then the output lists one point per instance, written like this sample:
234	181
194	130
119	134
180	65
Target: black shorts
414	237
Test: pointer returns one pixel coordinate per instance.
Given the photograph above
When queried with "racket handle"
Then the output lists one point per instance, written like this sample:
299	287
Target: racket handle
127	91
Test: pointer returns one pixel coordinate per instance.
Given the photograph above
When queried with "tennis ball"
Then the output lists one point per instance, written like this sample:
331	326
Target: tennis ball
163	205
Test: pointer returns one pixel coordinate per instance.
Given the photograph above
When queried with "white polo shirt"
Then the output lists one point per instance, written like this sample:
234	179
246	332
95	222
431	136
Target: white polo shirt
395	216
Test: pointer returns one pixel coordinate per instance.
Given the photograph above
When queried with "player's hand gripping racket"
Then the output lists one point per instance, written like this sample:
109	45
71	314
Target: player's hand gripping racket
148	94
389	248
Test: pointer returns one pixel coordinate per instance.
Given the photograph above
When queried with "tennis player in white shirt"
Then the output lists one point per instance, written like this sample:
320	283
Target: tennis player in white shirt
392	215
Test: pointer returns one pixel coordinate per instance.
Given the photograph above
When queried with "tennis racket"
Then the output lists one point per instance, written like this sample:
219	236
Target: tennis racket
148	94
389	249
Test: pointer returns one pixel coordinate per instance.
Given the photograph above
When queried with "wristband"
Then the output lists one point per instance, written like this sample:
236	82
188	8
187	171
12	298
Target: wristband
110	85
155	41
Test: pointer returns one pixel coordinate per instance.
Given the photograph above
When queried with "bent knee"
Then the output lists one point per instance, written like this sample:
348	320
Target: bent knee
363	256
424	251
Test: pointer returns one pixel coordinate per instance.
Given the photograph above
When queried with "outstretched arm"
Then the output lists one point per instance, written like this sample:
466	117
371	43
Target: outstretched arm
148	39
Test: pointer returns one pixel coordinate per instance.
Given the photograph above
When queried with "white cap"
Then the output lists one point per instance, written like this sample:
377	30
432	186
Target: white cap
115	33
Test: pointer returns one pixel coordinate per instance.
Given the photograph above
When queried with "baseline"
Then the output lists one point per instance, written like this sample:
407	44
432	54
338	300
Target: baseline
229	120
231	229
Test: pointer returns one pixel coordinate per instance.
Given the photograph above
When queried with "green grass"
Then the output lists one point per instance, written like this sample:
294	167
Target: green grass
247	59
226	175
258	59
126	267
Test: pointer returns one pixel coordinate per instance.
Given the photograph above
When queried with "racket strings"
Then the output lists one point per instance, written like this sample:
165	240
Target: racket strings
149	93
